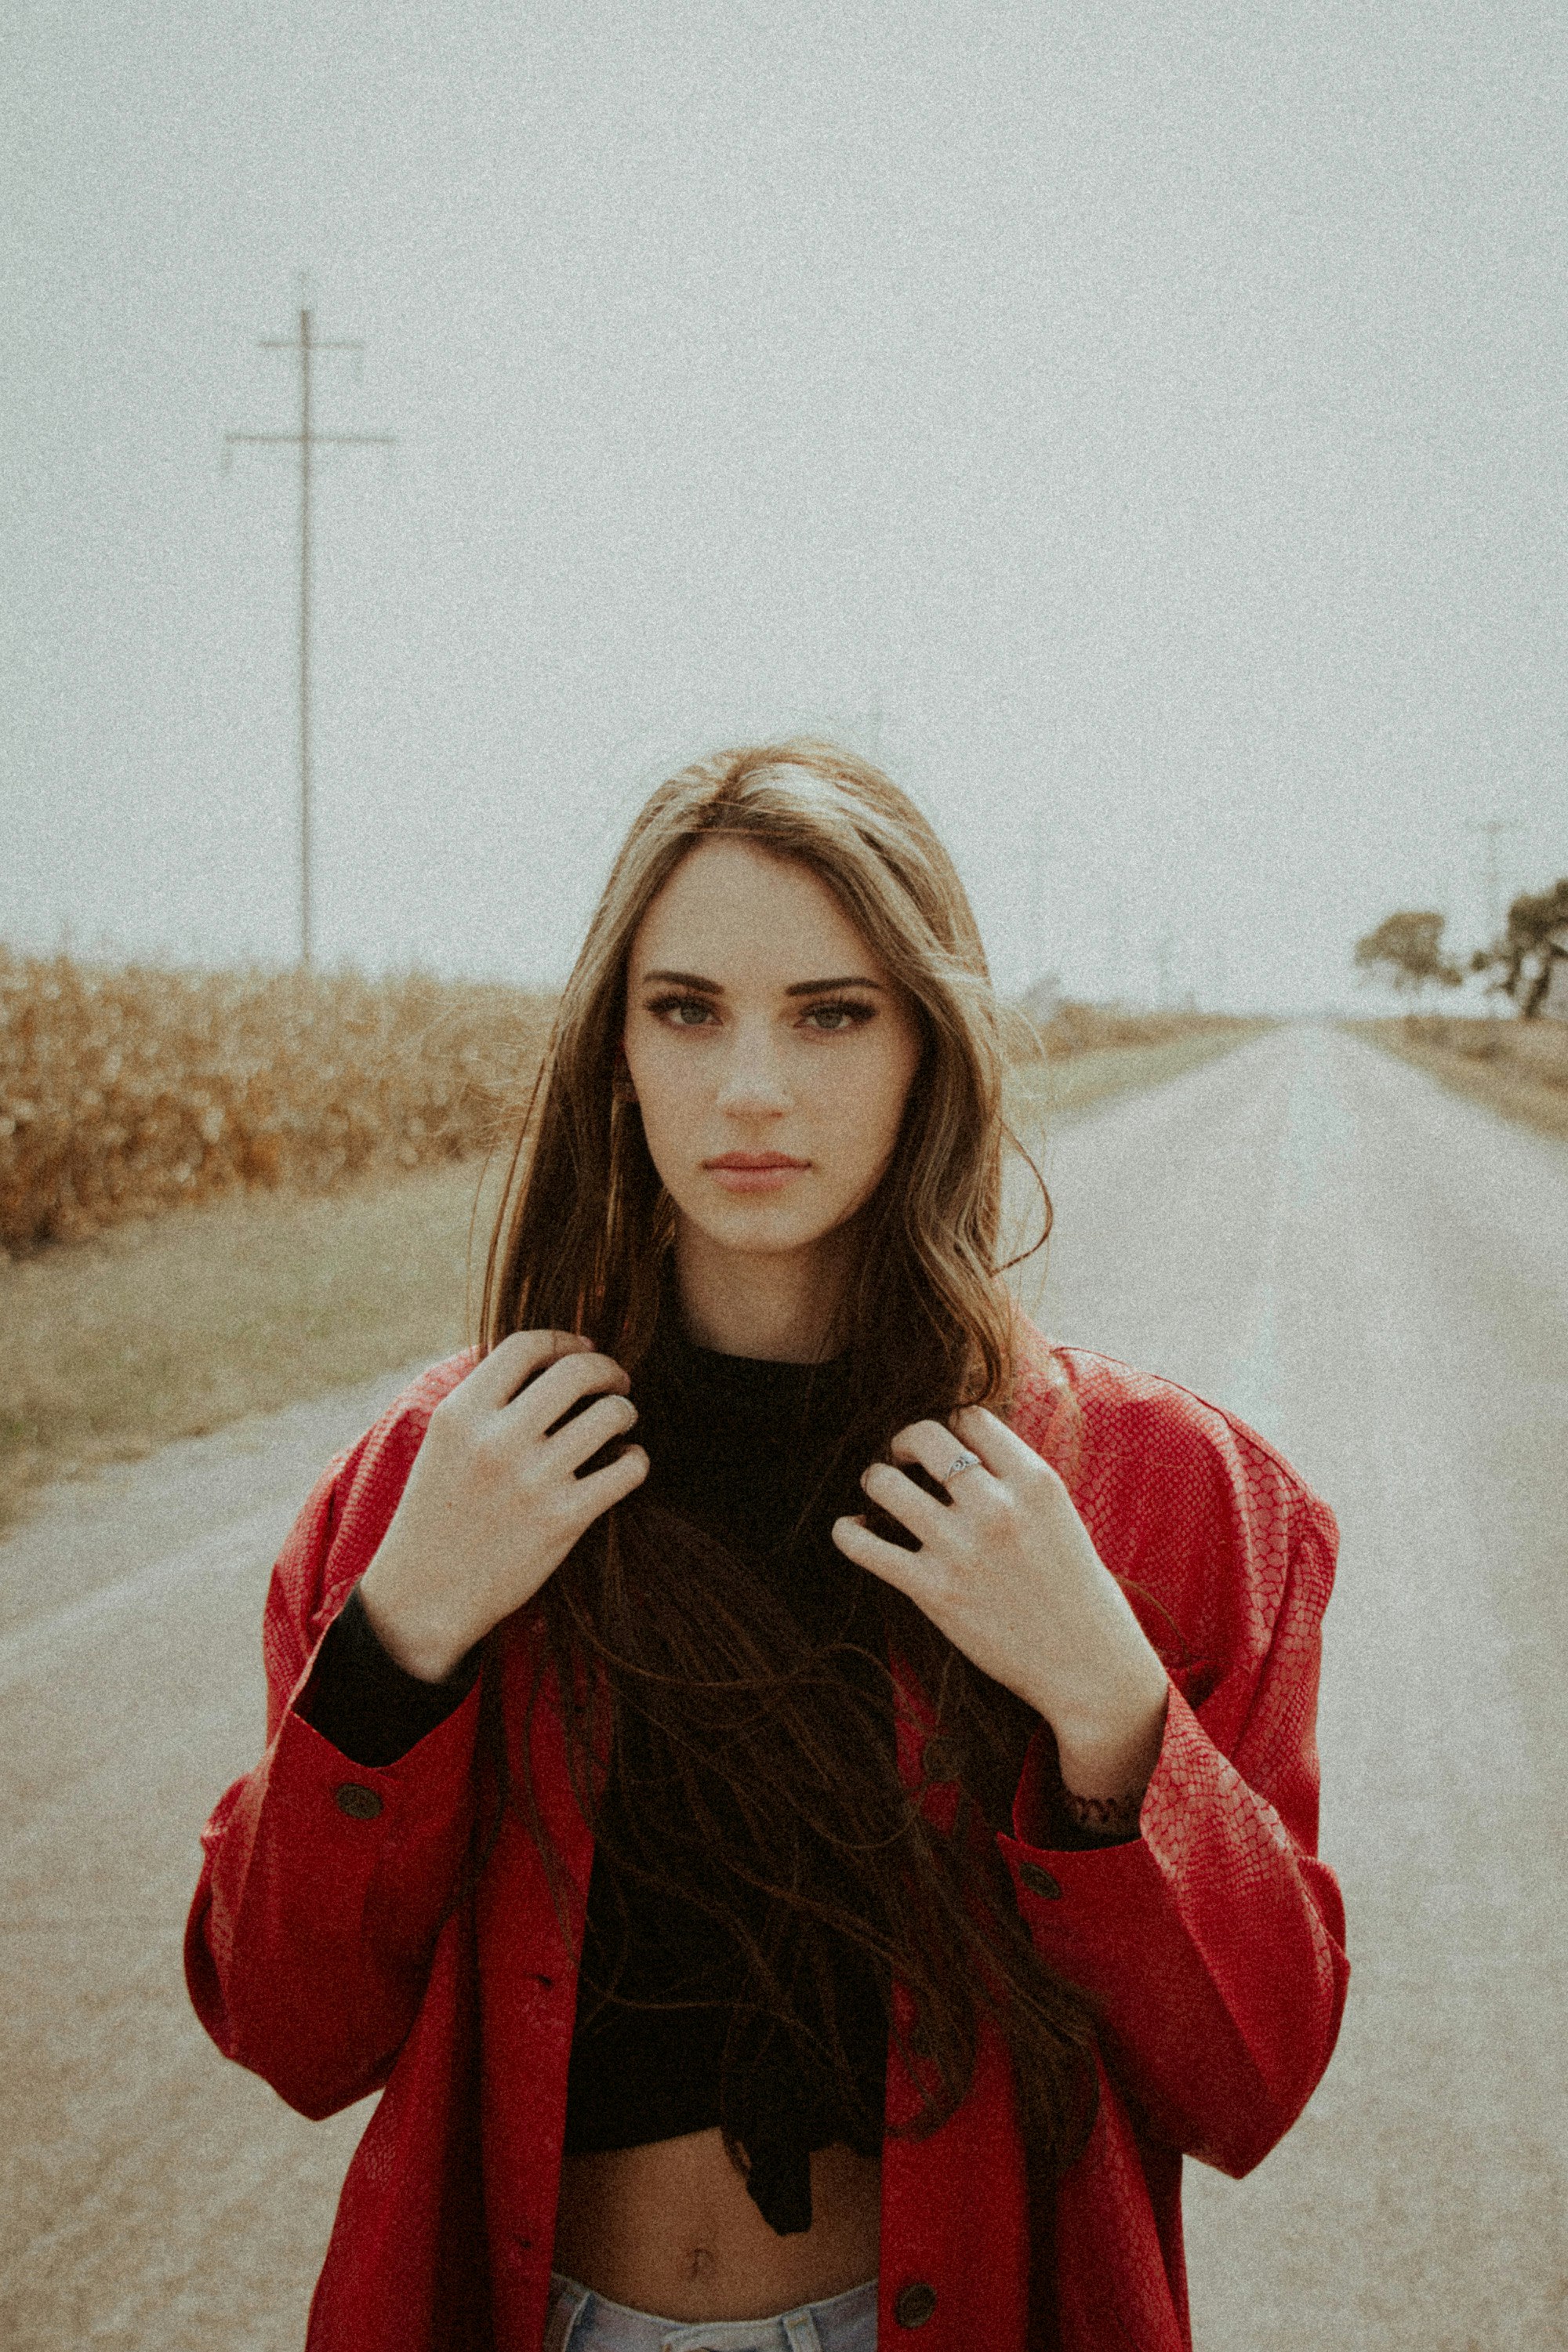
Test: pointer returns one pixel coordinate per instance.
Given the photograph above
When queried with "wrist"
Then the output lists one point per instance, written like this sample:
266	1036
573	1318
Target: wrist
1108	1751
417	1632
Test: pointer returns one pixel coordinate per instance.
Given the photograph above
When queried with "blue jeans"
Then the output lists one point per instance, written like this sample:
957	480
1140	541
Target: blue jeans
581	2321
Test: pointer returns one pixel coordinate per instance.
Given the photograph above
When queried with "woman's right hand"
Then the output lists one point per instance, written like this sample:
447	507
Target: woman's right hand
492	1505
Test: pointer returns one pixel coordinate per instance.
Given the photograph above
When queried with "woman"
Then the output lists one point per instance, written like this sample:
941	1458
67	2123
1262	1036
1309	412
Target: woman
805	1872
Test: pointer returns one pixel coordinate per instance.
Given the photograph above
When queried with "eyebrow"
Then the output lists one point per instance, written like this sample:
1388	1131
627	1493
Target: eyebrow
695	981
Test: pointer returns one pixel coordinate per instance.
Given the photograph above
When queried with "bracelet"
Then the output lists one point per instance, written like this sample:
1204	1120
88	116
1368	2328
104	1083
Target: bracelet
1103	1816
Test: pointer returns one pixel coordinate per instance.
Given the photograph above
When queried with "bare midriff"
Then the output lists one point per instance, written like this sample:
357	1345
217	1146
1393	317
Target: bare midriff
671	2229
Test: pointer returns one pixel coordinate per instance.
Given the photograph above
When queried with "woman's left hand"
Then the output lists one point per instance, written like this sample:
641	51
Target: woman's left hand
1006	1569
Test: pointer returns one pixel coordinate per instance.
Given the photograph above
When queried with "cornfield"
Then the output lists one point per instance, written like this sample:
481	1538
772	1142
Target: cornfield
128	1090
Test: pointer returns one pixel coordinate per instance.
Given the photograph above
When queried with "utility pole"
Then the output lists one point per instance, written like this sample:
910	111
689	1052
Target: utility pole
307	342
1035	917
1164	948
1491	827
866	727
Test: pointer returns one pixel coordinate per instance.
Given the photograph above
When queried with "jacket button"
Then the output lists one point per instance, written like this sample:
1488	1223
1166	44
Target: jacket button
1039	1880
942	1758
360	1803
915	2305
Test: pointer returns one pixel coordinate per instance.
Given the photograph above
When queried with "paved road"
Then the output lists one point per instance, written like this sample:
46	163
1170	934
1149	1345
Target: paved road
1373	1273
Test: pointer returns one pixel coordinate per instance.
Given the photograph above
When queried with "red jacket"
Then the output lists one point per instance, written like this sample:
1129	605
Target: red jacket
318	1953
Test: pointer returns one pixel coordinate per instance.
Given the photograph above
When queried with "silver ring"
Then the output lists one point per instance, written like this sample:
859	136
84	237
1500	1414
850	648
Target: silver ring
961	1462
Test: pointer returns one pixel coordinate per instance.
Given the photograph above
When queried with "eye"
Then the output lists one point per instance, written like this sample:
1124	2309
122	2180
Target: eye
671	1010
842	1013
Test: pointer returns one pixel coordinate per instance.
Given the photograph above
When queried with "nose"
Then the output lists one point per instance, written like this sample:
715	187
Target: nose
752	1081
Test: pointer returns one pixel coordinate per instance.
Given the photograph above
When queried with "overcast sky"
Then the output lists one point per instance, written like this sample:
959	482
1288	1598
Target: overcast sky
1141	425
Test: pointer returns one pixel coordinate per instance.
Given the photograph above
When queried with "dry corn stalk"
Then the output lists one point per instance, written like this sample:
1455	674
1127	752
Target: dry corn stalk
127	1090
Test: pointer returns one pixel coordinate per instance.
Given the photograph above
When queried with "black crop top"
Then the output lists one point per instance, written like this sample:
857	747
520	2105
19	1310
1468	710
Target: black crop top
735	1443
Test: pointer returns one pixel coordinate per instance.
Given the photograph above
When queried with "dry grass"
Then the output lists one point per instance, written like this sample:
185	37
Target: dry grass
1090	1028
129	1091
1519	1068
335	1267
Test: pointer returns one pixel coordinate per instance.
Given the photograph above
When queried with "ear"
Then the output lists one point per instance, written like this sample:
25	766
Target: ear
622	1091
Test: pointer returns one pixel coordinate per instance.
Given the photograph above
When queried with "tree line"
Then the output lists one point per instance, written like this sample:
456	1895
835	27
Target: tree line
1407	949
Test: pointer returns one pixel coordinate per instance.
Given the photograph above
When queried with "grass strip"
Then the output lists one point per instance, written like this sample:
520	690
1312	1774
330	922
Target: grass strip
1526	1092
1040	1095
171	1328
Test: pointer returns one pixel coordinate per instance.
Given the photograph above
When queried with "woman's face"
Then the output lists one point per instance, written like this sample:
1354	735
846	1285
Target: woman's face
770	1053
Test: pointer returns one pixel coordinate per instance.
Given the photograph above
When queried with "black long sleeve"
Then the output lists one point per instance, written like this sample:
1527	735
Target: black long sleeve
369	1706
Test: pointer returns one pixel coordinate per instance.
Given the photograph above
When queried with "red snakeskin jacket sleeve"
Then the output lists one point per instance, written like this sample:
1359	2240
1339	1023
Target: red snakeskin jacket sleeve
326	1948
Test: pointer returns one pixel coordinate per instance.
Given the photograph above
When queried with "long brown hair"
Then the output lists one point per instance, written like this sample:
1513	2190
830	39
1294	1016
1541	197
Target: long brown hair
749	1719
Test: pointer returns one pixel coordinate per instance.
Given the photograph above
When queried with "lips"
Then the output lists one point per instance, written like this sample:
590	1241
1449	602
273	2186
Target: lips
754	1172
753	1161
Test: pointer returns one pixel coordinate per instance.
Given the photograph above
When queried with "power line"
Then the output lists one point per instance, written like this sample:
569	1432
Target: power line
307	342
